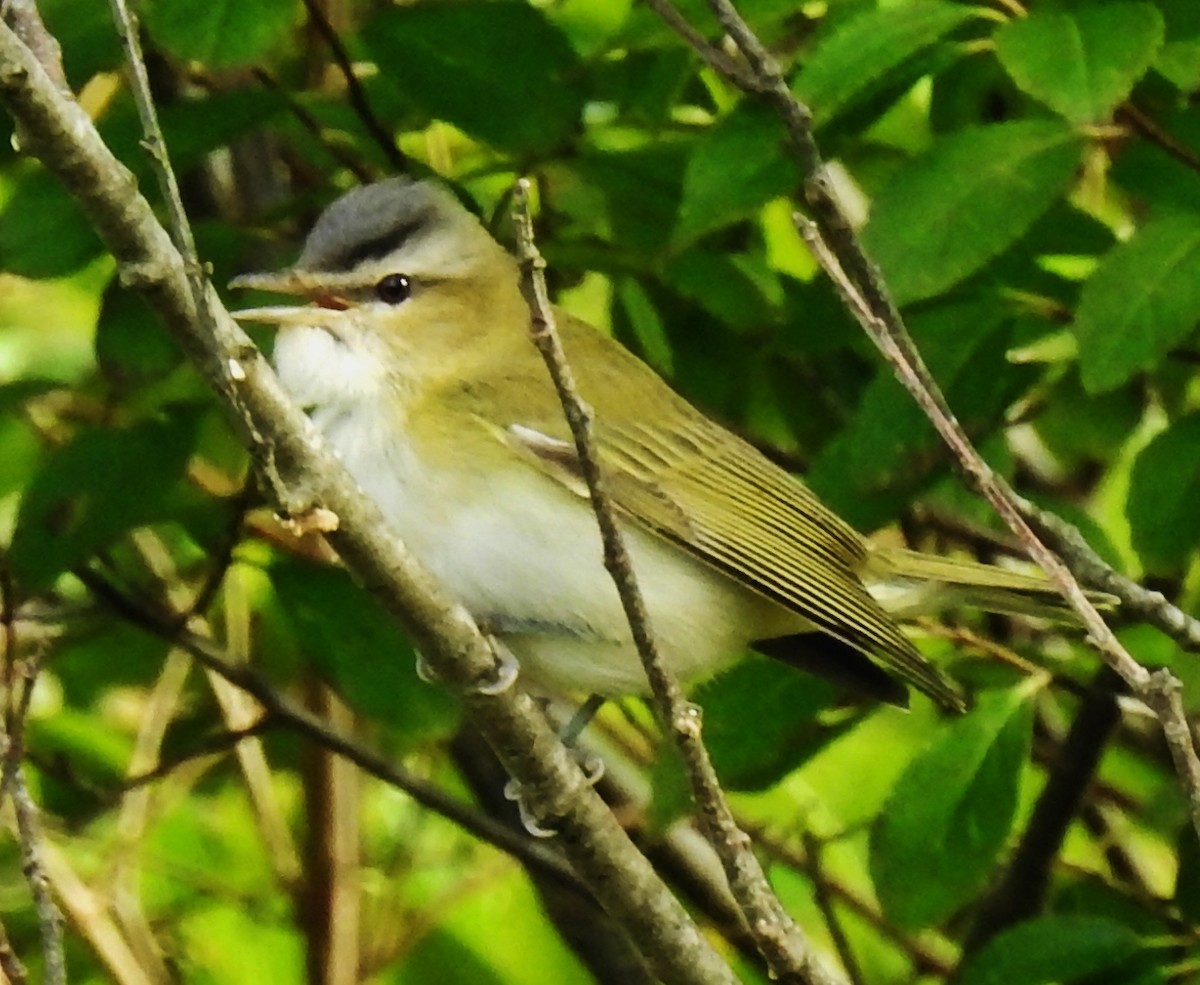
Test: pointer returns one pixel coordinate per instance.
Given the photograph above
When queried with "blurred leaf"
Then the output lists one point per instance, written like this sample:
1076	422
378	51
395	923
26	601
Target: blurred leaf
646	325
458	62
1187	878
864	52
717	282
1062	949
358	648
131	343
1179	58
888	449
220	33
1081	64
949	815
761	721
973	195
42	231
86	33
101	484
1164	488
736	168
1142	299
641	191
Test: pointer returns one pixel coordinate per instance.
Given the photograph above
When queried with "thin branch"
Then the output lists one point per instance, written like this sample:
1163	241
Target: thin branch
1149	129
49	920
354	90
10	965
281	711
823	897
1136	599
789	956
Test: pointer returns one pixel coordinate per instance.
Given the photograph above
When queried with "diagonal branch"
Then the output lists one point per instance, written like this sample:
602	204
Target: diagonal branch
789	956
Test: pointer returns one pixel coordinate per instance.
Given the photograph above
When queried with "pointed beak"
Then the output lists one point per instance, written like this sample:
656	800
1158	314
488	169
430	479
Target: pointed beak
320	308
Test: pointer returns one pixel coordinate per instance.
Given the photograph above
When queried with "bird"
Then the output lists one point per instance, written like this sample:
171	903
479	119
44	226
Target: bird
406	338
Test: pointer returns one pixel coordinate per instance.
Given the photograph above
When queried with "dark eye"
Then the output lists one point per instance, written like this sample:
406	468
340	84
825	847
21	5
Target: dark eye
393	289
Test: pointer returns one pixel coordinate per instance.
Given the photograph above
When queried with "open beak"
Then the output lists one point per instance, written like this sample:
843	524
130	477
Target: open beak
319	311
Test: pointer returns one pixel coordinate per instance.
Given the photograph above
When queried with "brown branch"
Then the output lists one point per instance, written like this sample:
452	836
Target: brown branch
10	965
25	19
1136	599
50	923
1149	129
789	956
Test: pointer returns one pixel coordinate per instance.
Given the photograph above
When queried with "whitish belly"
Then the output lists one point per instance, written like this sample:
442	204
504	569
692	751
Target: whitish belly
524	553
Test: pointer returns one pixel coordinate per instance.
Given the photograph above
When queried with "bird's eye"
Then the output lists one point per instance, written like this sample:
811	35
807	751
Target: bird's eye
393	289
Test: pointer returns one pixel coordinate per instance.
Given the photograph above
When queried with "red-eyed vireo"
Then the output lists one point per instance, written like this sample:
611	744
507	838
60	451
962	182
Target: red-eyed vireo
413	356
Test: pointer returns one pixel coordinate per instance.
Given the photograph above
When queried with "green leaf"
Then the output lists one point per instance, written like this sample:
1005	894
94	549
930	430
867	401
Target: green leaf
131	343
736	168
498	70
92	490
974	194
357	647
1179	58
1081	64
646	325
221	33
42	231
1164	488
936	840
761	721
1063	949
1142	299
864	53
724	287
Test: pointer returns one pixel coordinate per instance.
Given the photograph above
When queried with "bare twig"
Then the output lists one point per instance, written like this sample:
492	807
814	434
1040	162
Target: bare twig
788	954
823	897
1148	128
1135	599
280	711
48	918
10	964
354	90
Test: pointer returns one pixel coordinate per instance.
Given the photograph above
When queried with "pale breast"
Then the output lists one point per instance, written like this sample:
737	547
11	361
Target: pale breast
523	553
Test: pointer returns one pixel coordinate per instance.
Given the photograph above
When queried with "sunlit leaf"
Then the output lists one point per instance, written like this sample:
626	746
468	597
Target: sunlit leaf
456	62
1081	64
950	813
1164	488
1143	298
973	195
864	52
736	167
